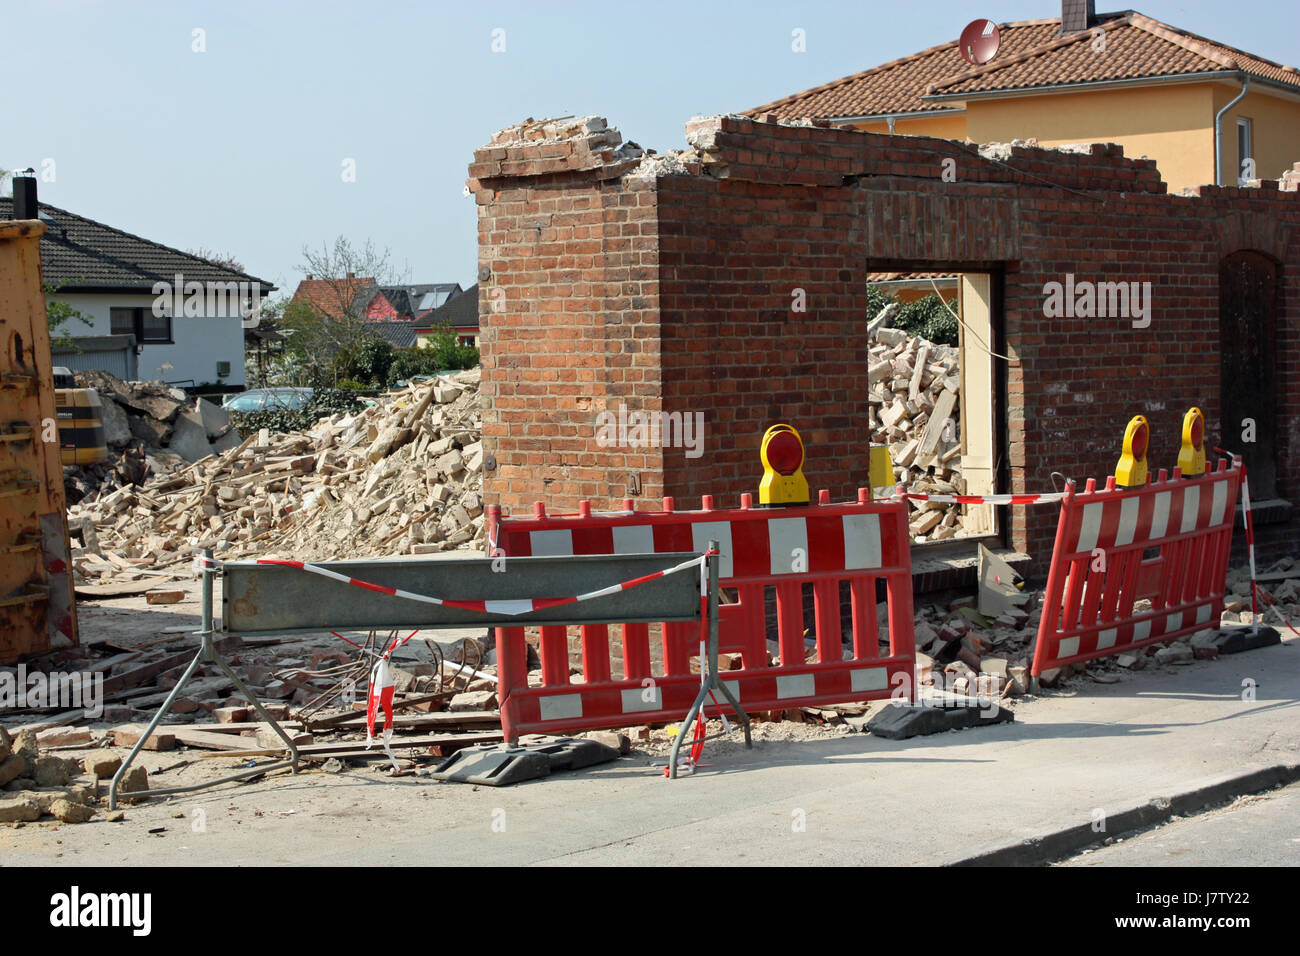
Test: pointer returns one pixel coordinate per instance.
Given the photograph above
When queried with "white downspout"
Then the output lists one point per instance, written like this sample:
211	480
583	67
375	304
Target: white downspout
1218	132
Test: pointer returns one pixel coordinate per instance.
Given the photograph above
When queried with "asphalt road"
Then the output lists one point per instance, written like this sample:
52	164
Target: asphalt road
1262	830
852	799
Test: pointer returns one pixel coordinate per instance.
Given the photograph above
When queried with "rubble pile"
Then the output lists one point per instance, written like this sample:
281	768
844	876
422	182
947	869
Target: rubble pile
401	476
34	785
914	390
159	416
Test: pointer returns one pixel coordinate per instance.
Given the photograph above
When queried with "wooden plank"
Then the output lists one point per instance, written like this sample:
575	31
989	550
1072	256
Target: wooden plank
349	747
943	407
110	662
240	726
335	719
465	718
138	675
195	688
209	740
67	717
125	589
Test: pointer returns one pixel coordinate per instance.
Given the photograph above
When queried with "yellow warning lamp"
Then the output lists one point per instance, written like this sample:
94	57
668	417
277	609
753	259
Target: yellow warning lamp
1191	457
1131	472
783	481
880	468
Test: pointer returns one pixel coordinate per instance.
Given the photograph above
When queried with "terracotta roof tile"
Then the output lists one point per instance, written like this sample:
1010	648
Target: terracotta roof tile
328	295
1032	54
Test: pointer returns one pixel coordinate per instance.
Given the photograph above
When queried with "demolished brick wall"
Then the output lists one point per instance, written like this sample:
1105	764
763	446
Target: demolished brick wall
666	282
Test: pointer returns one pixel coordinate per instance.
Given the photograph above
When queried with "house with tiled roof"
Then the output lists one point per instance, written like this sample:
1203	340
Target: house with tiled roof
1190	103
459	312
390	303
336	298
155	312
399	333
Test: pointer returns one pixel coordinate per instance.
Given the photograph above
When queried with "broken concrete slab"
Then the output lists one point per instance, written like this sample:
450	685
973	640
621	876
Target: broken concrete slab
117	427
189	437
936	714
21	809
214	419
1234	640
997	585
500	765
102	765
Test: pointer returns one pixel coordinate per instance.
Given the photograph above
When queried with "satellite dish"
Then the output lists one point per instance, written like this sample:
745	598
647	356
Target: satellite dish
979	41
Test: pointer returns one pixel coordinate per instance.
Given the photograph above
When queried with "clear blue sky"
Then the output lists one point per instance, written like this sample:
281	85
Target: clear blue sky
240	148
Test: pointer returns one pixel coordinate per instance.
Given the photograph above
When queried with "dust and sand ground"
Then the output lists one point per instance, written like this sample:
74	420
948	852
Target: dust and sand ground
317	815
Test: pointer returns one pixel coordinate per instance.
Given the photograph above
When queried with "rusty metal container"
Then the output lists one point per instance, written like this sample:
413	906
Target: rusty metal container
36	602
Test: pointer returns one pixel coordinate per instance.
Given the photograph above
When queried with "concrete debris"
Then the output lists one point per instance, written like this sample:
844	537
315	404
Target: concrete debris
36	785
160	418
913	407
936	714
402	476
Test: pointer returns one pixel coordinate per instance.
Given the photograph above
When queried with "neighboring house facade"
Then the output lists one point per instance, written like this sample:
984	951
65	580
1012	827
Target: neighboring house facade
402	315
389	303
335	298
460	313
115	279
1084	77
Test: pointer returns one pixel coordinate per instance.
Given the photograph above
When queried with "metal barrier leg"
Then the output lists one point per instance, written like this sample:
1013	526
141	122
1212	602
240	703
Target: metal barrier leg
207	654
712	683
153	724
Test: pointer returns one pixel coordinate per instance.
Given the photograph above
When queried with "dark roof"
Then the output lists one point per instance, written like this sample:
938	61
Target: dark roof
80	254
400	333
460	311
1033	54
399	299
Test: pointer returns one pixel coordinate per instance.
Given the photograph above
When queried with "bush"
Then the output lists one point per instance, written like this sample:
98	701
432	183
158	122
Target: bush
370	363
408	363
326	401
927	317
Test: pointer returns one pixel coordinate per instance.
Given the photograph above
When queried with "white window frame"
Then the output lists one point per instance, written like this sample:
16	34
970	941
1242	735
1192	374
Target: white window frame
1244	124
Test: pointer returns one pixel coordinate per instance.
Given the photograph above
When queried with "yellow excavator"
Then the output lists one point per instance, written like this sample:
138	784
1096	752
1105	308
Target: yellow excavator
81	421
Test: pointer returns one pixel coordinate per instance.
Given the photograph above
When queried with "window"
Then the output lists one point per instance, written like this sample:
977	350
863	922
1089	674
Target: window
1245	152
143	324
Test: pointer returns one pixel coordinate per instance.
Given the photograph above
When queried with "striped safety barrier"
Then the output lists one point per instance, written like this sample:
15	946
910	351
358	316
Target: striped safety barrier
1105	595
764	552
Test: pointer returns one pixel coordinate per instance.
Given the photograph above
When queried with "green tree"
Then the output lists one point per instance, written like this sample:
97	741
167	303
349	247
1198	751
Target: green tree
450	353
59	314
927	318
326	334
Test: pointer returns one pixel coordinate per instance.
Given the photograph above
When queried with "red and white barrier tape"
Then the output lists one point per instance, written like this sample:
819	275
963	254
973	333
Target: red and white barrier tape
1256	592
981	499
1250	526
509	607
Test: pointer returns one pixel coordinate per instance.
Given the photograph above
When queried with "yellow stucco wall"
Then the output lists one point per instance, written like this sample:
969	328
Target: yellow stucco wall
1172	124
1275	125
949	126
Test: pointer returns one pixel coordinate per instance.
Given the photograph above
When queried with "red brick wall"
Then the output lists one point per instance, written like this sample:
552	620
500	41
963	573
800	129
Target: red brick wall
674	291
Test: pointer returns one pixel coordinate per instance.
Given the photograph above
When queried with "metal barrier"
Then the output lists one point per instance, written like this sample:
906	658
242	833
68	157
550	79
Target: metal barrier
271	597
1099	570
763	550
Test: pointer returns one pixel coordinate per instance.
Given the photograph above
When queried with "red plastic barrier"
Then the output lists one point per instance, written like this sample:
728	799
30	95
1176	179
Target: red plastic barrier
780	550
1099	574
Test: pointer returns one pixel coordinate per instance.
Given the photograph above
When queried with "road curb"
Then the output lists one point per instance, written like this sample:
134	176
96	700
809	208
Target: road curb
1041	850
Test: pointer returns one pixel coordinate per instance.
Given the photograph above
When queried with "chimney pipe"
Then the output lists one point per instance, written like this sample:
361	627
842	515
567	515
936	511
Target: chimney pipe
25	204
1077	15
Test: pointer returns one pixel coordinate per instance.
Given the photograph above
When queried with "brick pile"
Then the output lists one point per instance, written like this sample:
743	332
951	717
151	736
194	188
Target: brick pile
914	407
402	476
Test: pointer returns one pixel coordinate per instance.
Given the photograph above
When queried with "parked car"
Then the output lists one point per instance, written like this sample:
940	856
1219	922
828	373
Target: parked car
268	400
